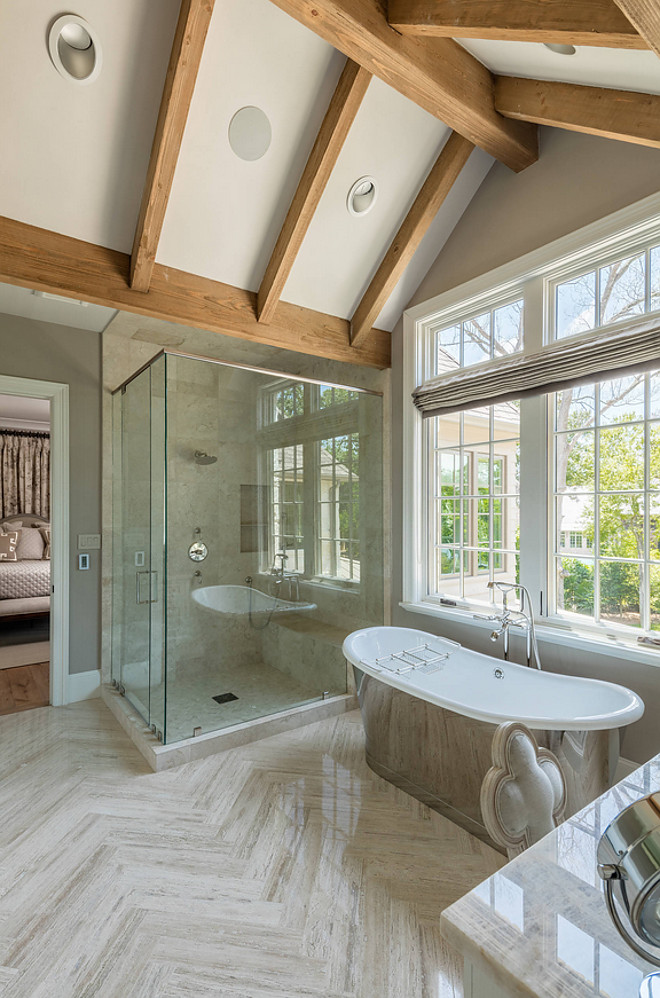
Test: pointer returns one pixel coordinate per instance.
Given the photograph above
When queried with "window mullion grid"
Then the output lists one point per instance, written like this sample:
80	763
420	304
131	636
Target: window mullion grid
461	493
430	505
597	315
646	564
491	494
597	504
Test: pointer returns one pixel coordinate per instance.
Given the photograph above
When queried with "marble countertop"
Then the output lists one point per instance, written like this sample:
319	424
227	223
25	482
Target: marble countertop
539	927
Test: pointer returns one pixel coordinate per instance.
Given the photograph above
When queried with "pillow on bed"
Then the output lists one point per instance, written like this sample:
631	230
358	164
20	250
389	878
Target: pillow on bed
8	542
45	533
30	545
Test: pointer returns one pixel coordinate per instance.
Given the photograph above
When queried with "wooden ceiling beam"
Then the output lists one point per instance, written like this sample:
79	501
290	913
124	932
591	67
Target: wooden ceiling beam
434	190
339	117
644	15
435	73
48	261
615	114
587	22
186	55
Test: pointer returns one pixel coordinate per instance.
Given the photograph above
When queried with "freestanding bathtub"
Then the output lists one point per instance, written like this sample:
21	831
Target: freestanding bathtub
430	709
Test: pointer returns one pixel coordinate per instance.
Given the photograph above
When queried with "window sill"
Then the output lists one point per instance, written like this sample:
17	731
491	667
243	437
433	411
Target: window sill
549	633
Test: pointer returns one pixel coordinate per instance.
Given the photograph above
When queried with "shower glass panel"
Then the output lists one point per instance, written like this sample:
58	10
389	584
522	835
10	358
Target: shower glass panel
139	551
257	500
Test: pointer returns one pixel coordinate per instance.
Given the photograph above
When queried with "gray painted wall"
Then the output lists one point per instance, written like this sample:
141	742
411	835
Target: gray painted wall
48	352
578	179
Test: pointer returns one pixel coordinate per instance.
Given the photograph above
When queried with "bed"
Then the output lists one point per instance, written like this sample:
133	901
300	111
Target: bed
25	584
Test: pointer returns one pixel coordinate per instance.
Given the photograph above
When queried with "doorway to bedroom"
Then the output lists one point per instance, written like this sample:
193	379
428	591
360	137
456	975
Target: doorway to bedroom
25	548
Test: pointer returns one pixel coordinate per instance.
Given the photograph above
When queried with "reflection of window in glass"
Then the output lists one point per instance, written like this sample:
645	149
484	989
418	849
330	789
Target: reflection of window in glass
607	502
609	294
492	334
474	499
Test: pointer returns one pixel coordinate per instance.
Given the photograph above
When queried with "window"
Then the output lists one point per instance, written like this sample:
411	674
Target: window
607	492
474	511
314	480
620	291
583	533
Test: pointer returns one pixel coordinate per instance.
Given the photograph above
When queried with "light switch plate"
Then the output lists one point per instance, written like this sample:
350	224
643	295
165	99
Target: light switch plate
83	562
89	542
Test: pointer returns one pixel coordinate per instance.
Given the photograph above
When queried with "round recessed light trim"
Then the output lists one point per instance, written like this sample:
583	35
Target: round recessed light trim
560	49
250	133
362	196
75	49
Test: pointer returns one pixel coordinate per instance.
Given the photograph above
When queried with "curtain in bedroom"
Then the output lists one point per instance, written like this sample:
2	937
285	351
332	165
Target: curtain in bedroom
24	473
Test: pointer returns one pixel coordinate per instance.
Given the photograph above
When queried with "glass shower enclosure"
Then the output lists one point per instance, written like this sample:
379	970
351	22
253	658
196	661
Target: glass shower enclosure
247	540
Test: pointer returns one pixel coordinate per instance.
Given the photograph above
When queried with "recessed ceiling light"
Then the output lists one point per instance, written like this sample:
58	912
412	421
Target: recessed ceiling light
559	49
362	196
75	49
250	133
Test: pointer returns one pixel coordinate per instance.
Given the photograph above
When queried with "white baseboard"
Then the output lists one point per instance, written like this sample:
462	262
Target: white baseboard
624	768
83	686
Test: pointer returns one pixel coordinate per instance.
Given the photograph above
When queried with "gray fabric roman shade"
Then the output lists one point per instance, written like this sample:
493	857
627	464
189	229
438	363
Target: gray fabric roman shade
565	364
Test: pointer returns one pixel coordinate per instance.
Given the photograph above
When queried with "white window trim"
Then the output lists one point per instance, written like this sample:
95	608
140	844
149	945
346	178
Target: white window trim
617	235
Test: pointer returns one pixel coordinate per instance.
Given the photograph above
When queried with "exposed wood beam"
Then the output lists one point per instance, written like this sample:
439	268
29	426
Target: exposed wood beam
435	73
614	114
37	258
187	48
587	22
339	117
644	15
434	190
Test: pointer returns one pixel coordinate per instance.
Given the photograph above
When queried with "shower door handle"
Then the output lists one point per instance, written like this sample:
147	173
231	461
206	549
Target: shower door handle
139	576
153	587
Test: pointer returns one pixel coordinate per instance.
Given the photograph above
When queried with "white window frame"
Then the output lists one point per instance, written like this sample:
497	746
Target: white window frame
533	277
283	436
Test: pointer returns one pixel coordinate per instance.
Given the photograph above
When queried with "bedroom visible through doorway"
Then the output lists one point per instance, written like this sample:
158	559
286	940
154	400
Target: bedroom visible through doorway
25	550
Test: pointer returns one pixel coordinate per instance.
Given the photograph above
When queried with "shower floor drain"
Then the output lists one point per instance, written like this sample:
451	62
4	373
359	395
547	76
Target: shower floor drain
225	698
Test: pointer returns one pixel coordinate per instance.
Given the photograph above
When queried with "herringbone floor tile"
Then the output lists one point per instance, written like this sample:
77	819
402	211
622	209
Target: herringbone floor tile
282	869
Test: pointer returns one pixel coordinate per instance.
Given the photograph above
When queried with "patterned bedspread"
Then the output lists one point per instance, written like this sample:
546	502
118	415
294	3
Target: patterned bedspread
24	579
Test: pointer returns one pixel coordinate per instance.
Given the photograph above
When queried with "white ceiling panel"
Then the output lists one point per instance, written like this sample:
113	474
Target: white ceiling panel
20	409
395	142
53	308
596	67
74	157
224	213
459	197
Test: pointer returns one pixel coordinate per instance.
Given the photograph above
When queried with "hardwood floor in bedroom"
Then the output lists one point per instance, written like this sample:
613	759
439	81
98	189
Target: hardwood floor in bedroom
280	869
24	687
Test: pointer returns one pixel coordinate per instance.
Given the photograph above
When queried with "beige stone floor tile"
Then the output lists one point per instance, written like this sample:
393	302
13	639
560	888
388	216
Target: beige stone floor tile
281	869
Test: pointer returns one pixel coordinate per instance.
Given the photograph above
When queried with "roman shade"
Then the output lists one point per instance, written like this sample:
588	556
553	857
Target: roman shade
562	365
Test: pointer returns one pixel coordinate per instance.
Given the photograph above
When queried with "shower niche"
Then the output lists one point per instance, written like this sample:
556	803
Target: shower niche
247	541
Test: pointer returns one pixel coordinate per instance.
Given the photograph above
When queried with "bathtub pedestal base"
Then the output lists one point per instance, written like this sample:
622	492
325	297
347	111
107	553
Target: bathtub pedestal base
441	757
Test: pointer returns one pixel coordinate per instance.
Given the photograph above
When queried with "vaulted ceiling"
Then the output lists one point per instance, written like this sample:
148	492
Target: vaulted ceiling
266	249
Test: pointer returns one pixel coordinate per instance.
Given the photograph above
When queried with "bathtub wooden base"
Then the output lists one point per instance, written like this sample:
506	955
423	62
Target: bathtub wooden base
441	757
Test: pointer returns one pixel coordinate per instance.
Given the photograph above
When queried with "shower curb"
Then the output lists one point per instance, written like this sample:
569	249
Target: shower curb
161	757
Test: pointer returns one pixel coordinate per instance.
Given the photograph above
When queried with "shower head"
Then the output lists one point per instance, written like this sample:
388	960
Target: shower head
201	457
